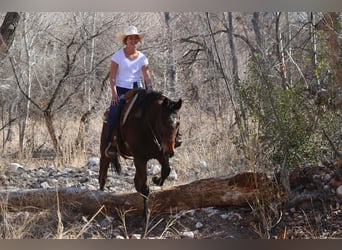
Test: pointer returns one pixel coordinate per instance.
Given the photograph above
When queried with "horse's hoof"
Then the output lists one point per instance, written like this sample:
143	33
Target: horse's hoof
118	169
156	181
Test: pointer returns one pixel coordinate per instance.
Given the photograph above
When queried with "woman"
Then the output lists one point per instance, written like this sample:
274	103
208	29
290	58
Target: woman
128	66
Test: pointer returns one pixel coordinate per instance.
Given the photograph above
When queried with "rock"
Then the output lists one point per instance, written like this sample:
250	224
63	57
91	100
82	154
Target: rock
199	166
199	225
135	237
188	235
93	161
339	192
90	187
45	185
41	179
327	178
54	182
105	223
326	188
210	211
90	172
233	216
68	170
173	175
130	181
16	167
52	169
154	169
84	179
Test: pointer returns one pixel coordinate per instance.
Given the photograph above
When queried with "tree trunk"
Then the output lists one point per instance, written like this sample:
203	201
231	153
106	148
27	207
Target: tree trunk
51	129
231	32
171	77
314	52
333	27
7	32
280	51
237	190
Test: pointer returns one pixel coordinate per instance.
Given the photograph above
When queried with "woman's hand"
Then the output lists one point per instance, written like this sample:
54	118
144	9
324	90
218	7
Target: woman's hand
115	99
149	88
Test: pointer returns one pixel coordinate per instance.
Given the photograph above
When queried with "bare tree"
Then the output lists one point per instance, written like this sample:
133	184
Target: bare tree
7	32
281	51
333	25
232	46
66	79
171	76
314	51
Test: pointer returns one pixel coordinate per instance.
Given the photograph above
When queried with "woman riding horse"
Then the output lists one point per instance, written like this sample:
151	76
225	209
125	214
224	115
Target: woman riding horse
147	132
152	132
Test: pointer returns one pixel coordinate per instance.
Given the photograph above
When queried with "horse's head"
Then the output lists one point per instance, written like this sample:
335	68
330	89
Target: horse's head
169	125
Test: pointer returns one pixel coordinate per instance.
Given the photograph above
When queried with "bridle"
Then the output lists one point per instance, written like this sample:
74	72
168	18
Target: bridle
155	139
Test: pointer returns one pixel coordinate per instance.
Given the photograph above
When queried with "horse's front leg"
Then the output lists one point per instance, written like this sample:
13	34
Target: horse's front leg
140	181
165	170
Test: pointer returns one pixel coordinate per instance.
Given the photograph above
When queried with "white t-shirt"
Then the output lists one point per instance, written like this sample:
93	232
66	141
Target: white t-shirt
128	71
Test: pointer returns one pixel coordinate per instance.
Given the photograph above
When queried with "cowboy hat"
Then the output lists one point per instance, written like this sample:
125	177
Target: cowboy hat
129	31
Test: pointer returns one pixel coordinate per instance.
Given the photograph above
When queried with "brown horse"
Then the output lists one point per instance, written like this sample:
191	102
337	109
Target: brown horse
147	130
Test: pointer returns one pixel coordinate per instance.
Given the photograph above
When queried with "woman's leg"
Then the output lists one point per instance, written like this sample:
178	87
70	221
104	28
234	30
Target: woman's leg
113	120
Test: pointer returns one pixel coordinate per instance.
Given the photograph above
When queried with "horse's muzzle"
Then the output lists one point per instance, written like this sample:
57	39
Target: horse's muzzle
170	154
168	150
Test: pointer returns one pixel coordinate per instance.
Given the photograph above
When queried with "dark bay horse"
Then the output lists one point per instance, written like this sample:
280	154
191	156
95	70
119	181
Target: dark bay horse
147	131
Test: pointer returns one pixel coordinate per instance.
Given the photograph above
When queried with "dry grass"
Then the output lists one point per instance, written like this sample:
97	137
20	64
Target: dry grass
207	150
58	224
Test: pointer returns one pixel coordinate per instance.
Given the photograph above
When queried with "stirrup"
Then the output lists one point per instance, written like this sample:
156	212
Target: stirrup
110	151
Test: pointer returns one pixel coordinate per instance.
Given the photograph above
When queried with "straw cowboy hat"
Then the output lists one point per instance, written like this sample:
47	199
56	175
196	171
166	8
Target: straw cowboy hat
129	31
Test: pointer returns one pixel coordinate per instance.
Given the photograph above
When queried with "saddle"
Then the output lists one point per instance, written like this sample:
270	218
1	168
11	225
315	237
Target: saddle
130	99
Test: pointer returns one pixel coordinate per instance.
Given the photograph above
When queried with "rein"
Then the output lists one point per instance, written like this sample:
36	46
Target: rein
155	139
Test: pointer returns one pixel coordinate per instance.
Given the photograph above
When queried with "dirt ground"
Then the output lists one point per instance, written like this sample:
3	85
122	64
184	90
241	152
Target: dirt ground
311	211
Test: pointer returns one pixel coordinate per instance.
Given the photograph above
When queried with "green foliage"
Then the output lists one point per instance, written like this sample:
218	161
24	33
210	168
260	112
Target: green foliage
288	129
284	120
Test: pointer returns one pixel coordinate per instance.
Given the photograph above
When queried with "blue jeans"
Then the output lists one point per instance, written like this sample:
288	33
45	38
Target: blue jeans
114	114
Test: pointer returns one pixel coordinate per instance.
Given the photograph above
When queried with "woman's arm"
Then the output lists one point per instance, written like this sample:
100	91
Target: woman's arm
112	81
147	77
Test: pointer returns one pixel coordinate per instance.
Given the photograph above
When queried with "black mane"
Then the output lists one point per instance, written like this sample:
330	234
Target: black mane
146	99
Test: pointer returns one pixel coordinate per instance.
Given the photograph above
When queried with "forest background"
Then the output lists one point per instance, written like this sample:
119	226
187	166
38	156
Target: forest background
262	91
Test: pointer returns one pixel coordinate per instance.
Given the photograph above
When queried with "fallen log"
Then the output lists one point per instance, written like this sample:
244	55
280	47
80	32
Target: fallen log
237	189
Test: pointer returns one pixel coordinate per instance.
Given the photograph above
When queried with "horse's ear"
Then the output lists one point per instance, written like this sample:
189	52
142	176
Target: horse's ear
171	105
178	104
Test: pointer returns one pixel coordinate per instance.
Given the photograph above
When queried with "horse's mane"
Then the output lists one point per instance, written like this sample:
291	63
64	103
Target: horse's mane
146	99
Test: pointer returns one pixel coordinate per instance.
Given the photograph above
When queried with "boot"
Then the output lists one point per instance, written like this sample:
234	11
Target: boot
111	151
